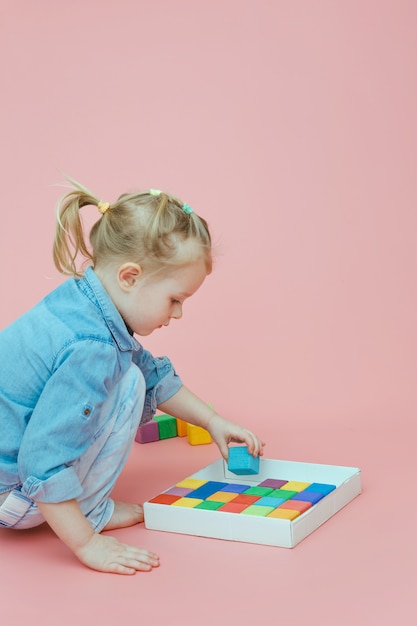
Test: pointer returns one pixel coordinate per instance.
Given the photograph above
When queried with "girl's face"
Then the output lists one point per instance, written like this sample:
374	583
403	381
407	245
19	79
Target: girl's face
153	301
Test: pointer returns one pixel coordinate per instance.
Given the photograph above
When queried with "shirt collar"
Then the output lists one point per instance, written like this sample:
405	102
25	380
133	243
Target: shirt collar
92	287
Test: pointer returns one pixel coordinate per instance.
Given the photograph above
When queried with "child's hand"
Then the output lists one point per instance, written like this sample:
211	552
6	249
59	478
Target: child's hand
107	554
188	407
224	432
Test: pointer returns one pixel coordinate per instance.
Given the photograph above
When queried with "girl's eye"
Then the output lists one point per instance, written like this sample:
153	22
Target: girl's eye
175	301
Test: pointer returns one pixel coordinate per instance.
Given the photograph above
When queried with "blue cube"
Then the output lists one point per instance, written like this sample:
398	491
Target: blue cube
240	462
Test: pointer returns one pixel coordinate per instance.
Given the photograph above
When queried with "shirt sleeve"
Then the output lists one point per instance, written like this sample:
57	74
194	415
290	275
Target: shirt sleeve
162	381
65	420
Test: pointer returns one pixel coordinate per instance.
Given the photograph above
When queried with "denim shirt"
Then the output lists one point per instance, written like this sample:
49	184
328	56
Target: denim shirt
58	363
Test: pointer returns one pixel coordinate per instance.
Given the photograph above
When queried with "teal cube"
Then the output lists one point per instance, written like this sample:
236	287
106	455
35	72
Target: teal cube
240	462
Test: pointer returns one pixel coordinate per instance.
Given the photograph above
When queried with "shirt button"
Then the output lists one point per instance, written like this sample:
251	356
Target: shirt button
87	411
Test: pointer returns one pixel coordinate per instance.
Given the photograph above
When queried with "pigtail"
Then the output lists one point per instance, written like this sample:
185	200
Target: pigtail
163	222
147	227
69	241
172	219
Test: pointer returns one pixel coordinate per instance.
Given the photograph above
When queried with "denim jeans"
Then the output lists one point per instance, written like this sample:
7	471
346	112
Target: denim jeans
99	468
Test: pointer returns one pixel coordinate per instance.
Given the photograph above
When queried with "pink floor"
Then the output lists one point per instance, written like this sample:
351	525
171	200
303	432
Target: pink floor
358	568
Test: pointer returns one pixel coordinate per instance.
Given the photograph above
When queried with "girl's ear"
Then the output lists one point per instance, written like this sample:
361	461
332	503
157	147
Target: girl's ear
127	275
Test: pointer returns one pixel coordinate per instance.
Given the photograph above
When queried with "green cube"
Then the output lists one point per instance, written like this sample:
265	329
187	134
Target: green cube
209	505
260	511
258	491
286	494
167	426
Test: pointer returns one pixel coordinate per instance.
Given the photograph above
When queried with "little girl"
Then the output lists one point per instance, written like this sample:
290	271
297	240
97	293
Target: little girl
75	383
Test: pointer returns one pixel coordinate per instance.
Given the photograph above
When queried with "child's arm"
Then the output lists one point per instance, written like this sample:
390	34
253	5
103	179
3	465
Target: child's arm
188	407
100	552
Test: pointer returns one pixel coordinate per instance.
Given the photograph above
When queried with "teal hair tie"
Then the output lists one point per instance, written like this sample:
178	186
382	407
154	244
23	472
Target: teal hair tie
187	209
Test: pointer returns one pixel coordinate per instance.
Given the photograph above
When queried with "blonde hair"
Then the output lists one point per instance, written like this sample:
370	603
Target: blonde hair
147	228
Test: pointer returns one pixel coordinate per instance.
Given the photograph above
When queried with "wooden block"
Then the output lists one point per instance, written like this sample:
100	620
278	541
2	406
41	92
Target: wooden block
181	428
165	498
295	485
321	488
179	491
310	496
209	505
260	511
240	462
222	496
167	426
258	491
275	483
288	514
206	490
190	503
197	435
266	501
282	493
295	505
244	499
232	507
192	483
147	432
235	488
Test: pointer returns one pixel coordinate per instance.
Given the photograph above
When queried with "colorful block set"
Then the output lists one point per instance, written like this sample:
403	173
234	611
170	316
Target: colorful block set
274	498
166	426
279	506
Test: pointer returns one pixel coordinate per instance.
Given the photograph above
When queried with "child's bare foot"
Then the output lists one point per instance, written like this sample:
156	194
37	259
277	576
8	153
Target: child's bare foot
125	514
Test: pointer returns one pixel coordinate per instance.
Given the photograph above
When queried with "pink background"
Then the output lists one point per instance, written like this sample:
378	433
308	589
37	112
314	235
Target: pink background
291	127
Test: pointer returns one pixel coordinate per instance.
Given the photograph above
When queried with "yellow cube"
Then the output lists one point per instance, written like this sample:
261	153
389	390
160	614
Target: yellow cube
222	496
187	502
294	485
191	483
181	428
283	513
197	435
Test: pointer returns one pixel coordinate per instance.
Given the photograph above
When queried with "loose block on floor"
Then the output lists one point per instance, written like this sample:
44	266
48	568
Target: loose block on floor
181	428
197	435
256	508
167	426
147	432
242	463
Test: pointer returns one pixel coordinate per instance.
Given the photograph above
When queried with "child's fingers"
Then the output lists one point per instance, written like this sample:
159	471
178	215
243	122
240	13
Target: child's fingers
224	450
107	554
255	445
142	559
135	559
